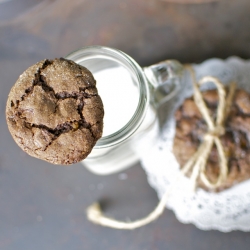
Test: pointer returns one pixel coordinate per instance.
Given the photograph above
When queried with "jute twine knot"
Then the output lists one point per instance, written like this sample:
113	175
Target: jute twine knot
196	164
217	132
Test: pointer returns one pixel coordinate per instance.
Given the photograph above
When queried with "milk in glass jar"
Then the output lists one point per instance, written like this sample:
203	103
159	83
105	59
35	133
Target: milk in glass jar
130	96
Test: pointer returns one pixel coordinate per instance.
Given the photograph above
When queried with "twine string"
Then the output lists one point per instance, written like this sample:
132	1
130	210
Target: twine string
196	164
95	215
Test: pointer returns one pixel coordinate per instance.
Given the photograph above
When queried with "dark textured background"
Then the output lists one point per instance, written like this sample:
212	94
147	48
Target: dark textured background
43	206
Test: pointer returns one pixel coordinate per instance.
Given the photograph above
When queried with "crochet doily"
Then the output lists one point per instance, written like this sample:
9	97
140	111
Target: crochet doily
225	211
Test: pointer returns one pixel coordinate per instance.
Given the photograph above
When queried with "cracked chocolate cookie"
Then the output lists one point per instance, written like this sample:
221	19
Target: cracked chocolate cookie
54	112
191	128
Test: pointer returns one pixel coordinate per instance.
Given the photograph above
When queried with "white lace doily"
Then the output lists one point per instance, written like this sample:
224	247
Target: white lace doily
225	211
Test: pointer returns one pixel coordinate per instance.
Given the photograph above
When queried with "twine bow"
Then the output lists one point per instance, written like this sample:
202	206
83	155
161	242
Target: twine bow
197	163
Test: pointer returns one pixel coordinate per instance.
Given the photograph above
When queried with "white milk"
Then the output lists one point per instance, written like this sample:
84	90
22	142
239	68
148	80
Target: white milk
119	95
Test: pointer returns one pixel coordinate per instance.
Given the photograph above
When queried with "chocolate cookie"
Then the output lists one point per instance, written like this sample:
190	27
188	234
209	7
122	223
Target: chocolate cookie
54	111
191	128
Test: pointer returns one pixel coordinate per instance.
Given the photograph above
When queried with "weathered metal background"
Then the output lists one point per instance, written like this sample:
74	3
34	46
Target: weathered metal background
43	206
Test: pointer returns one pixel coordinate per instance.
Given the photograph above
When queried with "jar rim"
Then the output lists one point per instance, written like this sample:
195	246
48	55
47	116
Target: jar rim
135	121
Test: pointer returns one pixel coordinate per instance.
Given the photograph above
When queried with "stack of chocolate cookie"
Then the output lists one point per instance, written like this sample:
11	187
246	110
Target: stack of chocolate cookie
191	128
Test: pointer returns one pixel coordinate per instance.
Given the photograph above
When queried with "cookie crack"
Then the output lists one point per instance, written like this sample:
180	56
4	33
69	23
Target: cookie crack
75	95
87	88
60	128
90	129
79	110
39	80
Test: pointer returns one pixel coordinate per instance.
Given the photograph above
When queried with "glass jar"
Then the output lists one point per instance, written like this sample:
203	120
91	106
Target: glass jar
131	96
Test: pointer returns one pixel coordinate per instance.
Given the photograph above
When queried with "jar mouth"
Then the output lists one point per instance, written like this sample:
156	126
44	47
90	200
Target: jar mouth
100	53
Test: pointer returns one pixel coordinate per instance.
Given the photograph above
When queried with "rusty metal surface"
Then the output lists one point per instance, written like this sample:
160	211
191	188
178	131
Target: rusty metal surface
42	206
